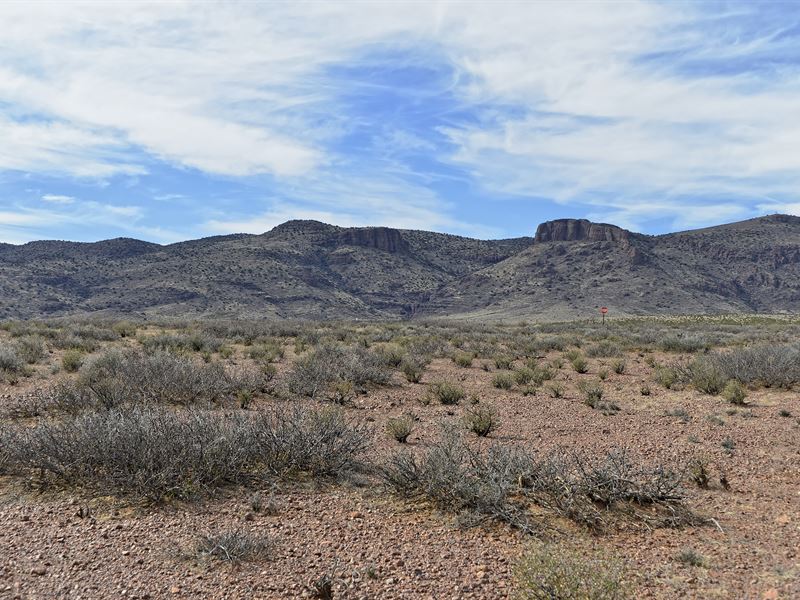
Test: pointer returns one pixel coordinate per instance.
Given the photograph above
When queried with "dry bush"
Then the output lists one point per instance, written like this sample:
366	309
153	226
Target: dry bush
313	374
734	392
157	453
603	348
31	349
553	572
413	369
502	482
234	546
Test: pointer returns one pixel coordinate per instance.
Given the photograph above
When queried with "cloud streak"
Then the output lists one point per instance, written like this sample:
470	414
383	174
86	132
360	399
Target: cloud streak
414	115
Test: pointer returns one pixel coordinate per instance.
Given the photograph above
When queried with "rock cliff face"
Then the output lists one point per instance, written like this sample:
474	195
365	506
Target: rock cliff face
574	230
380	238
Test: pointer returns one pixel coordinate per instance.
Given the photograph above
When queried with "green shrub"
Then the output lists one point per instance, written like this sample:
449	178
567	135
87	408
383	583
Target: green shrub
481	420
412	369
580	364
447	393
400	427
734	392
72	360
552	572
556	390
707	378
503	381
619	366
665	377
463	359
503	362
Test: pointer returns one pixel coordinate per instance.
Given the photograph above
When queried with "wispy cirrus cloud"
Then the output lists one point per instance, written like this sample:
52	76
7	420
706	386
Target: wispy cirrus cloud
469	117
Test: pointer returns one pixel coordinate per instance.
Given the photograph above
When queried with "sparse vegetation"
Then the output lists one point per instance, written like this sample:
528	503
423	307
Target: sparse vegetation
481	419
554	572
234	546
400	427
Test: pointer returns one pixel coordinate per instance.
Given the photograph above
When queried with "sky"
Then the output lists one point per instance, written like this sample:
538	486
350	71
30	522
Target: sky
173	121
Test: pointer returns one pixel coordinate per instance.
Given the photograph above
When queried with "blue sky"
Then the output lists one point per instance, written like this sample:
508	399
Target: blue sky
172	121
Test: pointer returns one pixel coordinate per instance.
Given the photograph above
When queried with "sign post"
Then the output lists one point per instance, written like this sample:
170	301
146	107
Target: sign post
603	311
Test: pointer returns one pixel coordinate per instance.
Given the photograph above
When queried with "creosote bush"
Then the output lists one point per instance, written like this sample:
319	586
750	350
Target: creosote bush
554	572
158	453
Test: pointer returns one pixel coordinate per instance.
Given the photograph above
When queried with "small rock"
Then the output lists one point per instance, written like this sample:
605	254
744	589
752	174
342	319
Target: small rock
39	571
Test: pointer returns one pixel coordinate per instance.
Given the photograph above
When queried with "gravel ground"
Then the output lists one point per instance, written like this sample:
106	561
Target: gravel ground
378	547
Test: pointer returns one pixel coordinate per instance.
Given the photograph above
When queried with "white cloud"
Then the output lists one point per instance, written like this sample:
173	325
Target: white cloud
58	199
565	102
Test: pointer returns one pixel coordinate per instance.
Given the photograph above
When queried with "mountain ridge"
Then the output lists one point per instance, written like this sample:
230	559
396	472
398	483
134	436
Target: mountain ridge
312	270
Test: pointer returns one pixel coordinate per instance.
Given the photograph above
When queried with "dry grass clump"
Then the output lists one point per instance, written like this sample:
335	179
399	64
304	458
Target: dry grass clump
234	546
554	572
156	453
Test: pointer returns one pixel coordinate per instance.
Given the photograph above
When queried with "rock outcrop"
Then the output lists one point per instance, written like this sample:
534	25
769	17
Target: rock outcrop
575	230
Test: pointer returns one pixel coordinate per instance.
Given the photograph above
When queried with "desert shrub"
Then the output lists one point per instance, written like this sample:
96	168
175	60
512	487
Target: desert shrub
400	427
619	366
124	329
603	348
645	390
129	376
734	392
503	362
523	375
481	420
707	378
683	344
580	364
158	453
314	373
553	572
665	377
602	374
447	393
770	366
503	381
556	390
592	393
690	557
390	355
502	483
10	361
412	369
463	359
30	349
269	351
234	546
178	343
71	360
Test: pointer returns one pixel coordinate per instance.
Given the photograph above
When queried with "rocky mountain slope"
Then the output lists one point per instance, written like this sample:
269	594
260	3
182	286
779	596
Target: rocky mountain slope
310	270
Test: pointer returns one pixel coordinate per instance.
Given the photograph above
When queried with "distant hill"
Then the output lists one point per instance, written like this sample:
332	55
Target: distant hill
310	270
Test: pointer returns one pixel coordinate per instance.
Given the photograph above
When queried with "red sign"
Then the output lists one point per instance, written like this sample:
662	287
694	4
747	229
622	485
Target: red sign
603	309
